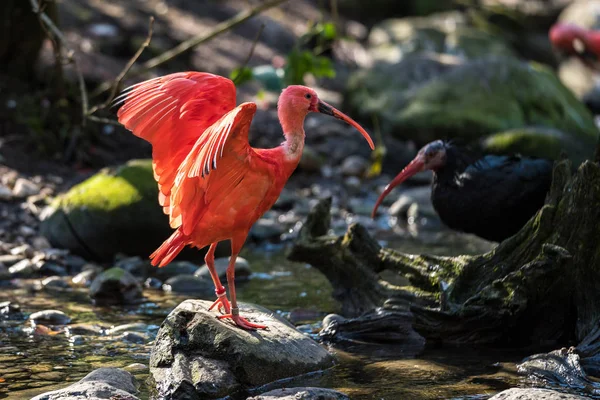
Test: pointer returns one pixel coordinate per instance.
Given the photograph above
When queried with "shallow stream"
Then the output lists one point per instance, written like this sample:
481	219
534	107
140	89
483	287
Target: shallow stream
32	363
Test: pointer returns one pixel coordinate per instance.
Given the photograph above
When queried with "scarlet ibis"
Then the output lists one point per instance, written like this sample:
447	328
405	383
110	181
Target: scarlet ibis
491	197
577	41
212	184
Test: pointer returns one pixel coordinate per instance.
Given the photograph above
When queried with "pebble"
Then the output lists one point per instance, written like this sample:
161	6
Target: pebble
265	229
115	286
52	317
135	265
77	340
85	329
175	268
25	188
23	268
190	284
9	309
84	278
135	367
242	269
50	268
75	263
26	230
40	243
23	249
354	166
10	259
54	282
5	193
132	327
153	283
133	337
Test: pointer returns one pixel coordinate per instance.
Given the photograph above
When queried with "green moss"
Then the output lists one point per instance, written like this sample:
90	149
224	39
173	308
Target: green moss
113	274
110	190
470	101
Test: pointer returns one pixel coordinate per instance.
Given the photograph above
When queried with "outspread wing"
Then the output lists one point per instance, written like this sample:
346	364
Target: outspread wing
198	182
172	112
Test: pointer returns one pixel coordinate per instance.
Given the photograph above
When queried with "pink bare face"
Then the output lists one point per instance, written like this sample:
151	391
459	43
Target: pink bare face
302	100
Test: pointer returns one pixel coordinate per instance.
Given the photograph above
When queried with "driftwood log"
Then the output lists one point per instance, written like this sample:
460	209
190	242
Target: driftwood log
539	287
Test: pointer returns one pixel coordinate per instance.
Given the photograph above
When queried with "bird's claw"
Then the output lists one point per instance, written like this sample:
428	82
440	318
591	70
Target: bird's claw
223	304
241	321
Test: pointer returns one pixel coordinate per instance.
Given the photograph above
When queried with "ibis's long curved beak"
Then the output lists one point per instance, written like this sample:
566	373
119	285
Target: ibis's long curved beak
326	109
415	166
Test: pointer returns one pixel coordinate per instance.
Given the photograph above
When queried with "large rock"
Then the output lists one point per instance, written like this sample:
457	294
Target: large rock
301	393
114	211
115	286
534	394
471	101
196	355
536	142
103	383
444	33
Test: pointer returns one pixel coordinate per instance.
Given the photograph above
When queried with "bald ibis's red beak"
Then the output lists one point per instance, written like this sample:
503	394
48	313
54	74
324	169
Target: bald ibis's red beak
326	109
415	166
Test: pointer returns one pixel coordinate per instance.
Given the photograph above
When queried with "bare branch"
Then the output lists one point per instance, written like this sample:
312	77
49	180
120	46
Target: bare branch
224	26
121	76
47	21
249	56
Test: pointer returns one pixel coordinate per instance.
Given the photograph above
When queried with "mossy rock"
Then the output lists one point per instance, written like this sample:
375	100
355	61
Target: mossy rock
470	101
536	142
114	211
442	33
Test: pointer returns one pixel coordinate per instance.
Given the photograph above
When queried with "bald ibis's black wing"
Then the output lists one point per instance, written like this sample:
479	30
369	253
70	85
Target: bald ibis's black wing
495	196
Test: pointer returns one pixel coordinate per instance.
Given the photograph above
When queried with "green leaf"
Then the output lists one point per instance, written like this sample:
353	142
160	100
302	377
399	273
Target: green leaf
241	75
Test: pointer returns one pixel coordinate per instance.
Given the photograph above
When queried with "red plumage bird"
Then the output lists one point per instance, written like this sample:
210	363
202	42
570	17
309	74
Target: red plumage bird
212	184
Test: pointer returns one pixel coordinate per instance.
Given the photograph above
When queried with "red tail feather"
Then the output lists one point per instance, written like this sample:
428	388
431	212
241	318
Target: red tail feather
169	249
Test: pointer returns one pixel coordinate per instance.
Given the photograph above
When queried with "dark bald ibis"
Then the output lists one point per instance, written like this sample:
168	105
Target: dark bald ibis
491	196
576	41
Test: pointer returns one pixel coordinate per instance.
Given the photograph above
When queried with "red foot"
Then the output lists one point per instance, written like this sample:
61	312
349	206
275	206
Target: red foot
221	301
241	321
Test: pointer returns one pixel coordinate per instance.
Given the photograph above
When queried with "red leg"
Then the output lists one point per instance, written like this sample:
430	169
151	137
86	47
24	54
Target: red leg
222	302
235	311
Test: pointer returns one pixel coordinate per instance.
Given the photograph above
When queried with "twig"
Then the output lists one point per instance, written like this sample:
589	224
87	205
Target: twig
103	120
249	56
224	26
121	76
70	55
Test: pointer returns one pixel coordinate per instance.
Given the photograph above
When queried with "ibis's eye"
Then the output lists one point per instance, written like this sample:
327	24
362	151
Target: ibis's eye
308	96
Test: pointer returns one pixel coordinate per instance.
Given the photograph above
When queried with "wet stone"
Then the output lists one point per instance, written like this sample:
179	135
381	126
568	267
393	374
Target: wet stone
190	284
153	283
23	250
354	166
242	269
77	340
25	188
133	327
136	367
133	337
5	193
50	317
75	263
266	229
85	278
534	394
135	266
51	268
103	383
301	393
196	355
175	268
10	259
10	310
115	286
24	268
85	329
54	282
